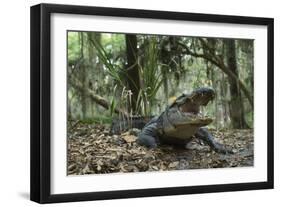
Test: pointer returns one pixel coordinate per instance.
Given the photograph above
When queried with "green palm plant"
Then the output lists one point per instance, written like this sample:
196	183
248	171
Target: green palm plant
151	76
114	70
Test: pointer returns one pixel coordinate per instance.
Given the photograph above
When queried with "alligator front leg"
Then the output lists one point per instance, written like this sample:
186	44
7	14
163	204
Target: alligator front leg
206	136
148	136
147	140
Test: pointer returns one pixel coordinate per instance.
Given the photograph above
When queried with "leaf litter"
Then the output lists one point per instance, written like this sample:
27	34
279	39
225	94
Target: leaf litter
92	150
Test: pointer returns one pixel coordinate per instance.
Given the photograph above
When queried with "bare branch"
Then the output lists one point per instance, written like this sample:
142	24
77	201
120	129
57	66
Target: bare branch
217	61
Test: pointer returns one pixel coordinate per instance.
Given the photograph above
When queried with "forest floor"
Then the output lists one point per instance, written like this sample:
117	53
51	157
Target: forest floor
92	150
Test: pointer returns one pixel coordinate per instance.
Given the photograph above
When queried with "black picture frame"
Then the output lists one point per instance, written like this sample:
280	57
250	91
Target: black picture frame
40	184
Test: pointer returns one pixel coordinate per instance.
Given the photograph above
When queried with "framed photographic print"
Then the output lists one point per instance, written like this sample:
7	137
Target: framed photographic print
133	103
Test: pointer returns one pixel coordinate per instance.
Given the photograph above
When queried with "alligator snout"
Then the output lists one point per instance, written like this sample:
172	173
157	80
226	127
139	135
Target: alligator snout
202	96
205	91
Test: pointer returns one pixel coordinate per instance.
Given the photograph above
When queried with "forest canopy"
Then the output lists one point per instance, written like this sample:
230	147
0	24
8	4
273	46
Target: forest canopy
123	75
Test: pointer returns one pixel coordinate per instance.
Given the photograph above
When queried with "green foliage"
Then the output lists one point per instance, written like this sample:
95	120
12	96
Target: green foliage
73	46
97	120
151	76
114	70
165	69
113	43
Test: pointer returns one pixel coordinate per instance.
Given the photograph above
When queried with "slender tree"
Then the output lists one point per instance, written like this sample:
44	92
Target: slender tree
94	72
218	60
132	68
236	103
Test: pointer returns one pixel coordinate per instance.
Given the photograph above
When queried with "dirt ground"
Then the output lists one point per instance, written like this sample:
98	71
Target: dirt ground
92	150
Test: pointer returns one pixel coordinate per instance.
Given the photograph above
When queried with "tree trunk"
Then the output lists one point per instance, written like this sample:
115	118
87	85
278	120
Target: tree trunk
133	70
236	103
83	77
218	61
94	72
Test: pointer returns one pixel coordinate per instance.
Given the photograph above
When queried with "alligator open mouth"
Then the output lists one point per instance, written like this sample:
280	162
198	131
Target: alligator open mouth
191	103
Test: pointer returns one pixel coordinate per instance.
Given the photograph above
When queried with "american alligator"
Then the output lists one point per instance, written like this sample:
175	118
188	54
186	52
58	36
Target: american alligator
177	125
181	122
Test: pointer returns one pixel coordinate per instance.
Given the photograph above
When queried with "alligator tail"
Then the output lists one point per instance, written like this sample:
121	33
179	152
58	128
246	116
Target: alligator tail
121	125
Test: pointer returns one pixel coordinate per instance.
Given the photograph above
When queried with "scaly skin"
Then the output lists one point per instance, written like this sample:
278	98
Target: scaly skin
180	122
